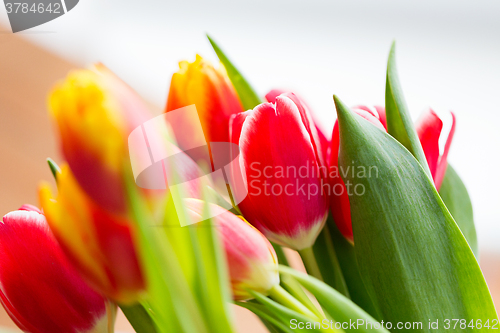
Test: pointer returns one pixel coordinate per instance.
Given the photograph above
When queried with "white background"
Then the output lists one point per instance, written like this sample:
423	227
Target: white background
448	58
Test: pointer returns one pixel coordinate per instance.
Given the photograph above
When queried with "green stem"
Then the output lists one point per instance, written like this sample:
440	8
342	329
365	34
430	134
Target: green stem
328	261
282	260
295	289
310	262
282	296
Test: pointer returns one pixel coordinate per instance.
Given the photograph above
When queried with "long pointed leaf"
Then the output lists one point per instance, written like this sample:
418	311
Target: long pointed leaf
248	97
139	318
172	300
267	318
457	200
295	289
399	122
214	281
285	314
413	257
340	308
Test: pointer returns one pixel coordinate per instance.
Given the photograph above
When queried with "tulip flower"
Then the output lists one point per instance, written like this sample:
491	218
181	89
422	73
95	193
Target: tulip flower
281	163
94	112
212	93
99	243
40	289
429	128
252	262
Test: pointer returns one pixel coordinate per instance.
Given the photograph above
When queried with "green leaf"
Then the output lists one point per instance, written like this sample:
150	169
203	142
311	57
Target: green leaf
213	276
350	270
399	122
415	262
248	97
139	318
54	168
340	308
455	196
324	251
295	289
282	260
273	324
172	301
286	315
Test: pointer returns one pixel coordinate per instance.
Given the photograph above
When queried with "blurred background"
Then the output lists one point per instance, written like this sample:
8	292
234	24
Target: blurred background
448	57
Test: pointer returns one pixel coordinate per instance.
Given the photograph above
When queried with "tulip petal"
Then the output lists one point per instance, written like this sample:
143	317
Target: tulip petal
443	160
98	243
271	95
339	198
211	91
429	128
381	114
319	140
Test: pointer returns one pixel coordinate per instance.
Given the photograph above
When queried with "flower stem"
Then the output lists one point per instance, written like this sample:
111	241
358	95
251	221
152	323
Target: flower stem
282	296
310	262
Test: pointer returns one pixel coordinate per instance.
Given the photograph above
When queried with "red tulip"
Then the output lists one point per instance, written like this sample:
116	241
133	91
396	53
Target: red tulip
282	165
428	127
251	259
40	290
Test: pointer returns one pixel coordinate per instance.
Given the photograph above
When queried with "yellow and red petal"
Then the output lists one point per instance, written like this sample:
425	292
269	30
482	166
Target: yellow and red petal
99	243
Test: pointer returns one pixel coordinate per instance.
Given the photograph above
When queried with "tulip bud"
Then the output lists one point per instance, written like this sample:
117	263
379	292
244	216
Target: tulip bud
99	243
95	112
282	165
252	262
40	290
212	93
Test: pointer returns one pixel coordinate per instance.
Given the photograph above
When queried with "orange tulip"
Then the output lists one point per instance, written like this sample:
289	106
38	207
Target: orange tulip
212	93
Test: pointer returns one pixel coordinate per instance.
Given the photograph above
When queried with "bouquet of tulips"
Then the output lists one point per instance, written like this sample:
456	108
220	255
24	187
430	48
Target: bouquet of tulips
172	218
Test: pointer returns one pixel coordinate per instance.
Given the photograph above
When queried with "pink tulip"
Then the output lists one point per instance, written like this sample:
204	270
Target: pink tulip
251	259
282	164
40	290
